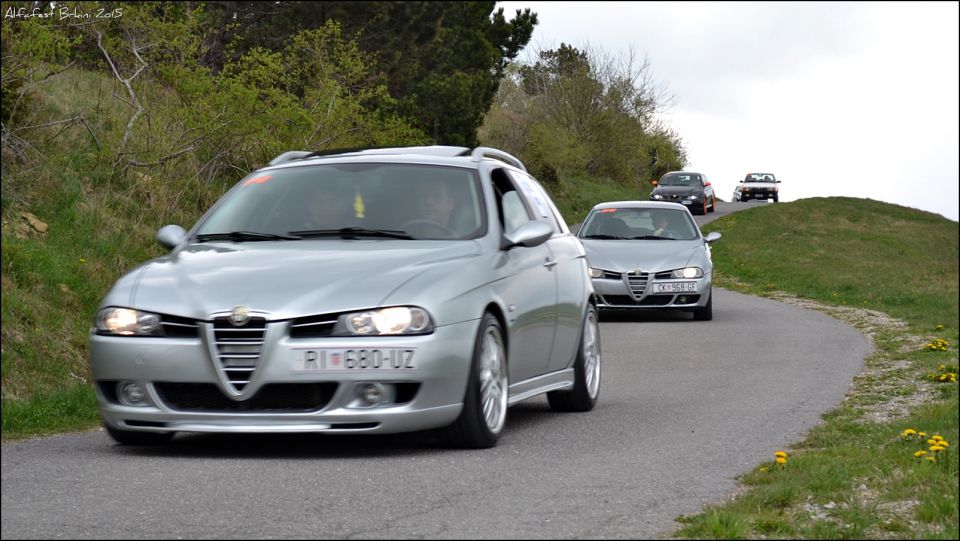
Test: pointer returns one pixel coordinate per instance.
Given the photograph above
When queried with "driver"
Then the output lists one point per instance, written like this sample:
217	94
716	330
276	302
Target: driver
435	202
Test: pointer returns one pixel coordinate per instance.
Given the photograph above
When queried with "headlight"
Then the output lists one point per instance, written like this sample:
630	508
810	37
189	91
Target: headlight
394	320
692	197
688	272
594	273
128	322
656	196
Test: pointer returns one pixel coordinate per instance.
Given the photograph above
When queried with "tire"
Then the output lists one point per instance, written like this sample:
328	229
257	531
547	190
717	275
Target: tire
776	199
705	313
484	412
586	369
130	437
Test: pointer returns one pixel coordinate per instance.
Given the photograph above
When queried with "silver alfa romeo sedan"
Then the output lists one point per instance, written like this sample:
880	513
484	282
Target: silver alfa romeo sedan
374	291
649	255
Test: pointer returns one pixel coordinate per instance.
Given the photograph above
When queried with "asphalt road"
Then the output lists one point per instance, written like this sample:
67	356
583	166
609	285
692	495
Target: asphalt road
685	407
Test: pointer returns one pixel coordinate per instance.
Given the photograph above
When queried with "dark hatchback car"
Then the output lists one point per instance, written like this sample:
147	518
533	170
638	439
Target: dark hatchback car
692	190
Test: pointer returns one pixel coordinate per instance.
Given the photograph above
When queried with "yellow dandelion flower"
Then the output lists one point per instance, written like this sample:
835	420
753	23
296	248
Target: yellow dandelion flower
919	454
940	326
936	448
932	441
936	437
908	432
942	367
762	470
943	443
922	434
930	458
781	460
780	454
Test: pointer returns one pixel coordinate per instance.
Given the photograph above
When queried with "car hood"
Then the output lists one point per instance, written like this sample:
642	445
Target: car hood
285	279
648	255
676	190
758	185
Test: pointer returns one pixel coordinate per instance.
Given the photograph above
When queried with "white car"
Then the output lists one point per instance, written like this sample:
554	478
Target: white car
757	186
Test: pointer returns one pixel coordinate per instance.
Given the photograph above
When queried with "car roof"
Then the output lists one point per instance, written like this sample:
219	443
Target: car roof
681	172
433	154
638	205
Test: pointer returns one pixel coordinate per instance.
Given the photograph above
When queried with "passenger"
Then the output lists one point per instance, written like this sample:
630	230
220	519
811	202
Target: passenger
663	226
329	207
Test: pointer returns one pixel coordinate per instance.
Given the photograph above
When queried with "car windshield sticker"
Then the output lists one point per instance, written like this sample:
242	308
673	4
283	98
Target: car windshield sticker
258	180
358	206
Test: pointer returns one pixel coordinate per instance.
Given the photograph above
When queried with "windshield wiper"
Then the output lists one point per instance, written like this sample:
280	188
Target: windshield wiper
240	236
604	237
651	237
351	233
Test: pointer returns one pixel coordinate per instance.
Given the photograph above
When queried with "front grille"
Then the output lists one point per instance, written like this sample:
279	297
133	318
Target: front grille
179	327
637	283
238	348
313	326
273	398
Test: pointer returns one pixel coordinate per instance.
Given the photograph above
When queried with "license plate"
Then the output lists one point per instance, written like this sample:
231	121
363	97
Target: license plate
675	287
350	359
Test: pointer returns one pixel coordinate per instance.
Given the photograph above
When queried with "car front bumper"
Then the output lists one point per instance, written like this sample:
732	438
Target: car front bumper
758	194
633	291
185	390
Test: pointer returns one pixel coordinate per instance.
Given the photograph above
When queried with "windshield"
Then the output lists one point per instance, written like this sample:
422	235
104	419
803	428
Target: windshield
680	179
760	177
350	201
639	224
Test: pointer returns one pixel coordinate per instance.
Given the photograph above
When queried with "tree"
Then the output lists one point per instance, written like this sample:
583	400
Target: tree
573	111
441	62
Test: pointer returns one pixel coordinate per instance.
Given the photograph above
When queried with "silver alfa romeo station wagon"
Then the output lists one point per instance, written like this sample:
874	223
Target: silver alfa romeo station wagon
373	291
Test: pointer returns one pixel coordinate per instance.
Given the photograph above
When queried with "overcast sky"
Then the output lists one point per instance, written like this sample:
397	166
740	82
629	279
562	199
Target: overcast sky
855	99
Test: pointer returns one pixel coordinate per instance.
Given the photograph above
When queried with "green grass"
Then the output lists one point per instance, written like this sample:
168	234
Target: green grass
891	272
839	250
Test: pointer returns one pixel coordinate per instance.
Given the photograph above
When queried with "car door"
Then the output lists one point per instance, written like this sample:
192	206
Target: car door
529	288
570	273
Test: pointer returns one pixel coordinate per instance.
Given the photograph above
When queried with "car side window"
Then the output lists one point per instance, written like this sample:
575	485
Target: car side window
514	213
538	199
510	206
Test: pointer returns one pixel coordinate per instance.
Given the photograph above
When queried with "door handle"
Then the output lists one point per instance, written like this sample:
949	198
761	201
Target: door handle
550	264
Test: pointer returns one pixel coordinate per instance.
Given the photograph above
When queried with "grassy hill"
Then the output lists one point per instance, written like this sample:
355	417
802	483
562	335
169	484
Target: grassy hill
72	225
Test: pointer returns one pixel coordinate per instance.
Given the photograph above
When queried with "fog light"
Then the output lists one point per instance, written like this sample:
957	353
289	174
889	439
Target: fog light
371	394
131	393
682	300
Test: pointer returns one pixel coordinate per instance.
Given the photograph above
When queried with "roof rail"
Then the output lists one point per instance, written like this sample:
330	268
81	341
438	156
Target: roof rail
290	156
480	152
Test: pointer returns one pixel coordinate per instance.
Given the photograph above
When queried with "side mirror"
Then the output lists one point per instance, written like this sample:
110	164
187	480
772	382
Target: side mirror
778	182
529	234
712	237
171	235
741	182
